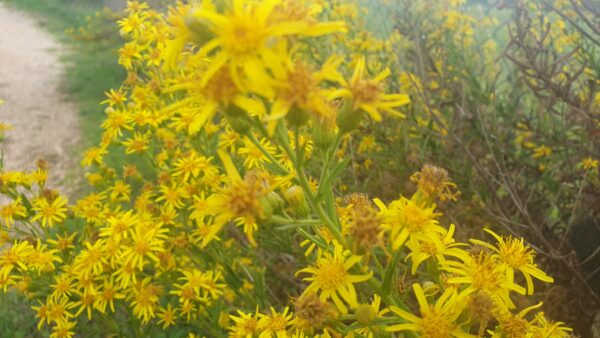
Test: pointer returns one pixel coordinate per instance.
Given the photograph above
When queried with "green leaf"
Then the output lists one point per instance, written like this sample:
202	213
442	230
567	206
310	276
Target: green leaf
386	285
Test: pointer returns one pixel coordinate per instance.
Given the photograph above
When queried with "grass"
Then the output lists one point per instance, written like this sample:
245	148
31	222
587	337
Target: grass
91	69
16	318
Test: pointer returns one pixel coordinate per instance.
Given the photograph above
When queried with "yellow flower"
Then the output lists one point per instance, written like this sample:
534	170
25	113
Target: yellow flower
129	53
275	324
406	219
145	243
16	256
42	259
436	321
62	287
54	311
48	212
191	166
542	151
589	163
63	329
243	201
367	94
145	299
438	247
516	255
332	279
118	225
132	23
86	301
298	90
243	37
63	242
544	328
116	122
120	192
515	325
434	182
137	144
5	127
254	157
114	97
246	325
483	272
9	211
107	296
173	195
90	261
167	316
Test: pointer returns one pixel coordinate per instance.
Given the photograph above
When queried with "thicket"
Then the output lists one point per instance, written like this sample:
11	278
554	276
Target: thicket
301	169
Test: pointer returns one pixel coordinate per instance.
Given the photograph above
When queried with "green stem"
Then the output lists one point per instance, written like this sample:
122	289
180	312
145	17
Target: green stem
376	285
285	144
331	226
273	160
328	160
284	221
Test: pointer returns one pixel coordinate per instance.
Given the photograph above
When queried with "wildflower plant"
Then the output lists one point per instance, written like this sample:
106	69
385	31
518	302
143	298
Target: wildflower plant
227	216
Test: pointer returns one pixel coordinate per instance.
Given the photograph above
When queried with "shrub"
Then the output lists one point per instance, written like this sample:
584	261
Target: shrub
230	214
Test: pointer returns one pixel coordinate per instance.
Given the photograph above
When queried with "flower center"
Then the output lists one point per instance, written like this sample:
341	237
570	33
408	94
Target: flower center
331	275
243	37
365	91
435	326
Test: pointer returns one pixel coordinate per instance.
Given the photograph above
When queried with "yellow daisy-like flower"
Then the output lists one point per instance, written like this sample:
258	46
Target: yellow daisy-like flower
50	213
483	272
406	219
545	328
137	144
167	316
332	279
589	163
516	255
243	38
367	94
436	321
246	325
12	210
145	300
439	247
515	325
275	324
253	155
63	329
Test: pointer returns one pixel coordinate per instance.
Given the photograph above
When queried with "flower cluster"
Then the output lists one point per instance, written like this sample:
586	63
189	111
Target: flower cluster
225	215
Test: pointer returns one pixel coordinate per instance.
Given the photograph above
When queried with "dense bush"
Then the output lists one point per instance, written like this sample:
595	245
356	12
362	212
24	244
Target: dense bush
254	135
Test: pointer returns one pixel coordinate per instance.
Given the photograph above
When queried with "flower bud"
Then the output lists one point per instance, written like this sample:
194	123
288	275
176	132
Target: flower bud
349	118
266	208
276	201
296	116
365	314
294	196
200	34
323	134
238	119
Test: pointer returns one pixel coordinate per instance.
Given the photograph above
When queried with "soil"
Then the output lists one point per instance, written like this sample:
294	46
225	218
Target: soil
46	124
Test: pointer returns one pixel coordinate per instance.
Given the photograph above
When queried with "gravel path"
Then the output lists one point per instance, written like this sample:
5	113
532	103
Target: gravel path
31	79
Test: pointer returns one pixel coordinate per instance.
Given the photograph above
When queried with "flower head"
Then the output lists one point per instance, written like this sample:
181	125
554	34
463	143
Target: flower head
515	254
436	321
332	279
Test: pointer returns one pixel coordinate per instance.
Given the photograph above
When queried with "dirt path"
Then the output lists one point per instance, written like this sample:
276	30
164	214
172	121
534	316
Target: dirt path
31	77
